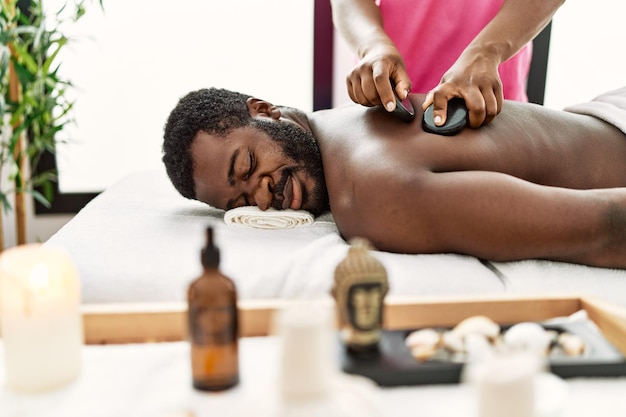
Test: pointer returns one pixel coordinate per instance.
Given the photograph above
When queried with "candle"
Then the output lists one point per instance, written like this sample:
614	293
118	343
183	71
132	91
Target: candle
505	384
40	316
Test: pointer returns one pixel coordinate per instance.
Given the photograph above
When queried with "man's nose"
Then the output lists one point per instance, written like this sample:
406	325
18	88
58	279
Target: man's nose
261	194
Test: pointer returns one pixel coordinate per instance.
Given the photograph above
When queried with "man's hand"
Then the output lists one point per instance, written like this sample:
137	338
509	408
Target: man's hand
473	77
369	82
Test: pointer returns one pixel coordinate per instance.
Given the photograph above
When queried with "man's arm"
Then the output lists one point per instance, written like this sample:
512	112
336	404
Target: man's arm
474	75
492	216
360	23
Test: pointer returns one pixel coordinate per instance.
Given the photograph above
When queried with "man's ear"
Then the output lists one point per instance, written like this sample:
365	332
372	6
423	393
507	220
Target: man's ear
261	108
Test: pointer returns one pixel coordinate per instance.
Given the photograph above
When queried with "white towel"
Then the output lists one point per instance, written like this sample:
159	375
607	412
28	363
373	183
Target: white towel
610	107
252	216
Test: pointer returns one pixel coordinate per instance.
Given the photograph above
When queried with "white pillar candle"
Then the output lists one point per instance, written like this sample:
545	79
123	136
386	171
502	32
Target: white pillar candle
40	316
505	385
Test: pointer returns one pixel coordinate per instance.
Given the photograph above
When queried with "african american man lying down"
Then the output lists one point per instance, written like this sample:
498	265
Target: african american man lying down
535	183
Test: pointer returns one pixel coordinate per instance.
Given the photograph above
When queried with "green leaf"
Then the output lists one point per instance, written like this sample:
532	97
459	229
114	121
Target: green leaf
25	58
6	204
45	201
5	58
51	58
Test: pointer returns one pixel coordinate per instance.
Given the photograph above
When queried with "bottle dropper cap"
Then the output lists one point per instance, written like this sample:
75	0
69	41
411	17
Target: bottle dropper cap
210	255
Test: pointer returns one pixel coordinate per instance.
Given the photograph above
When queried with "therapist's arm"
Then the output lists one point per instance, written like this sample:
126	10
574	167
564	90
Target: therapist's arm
474	75
360	23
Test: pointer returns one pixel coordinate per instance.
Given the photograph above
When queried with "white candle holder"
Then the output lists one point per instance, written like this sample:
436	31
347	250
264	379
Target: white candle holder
40	316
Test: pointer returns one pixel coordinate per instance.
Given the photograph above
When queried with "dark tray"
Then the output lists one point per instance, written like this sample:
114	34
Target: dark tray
393	364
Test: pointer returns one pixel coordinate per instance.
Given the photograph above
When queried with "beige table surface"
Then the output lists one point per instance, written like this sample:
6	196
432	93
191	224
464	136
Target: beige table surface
153	380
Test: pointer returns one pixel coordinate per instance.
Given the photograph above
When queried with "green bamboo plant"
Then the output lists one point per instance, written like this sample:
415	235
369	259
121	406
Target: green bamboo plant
34	101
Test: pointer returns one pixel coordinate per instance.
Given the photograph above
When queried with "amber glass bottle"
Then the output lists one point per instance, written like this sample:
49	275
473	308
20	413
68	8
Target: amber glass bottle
213	324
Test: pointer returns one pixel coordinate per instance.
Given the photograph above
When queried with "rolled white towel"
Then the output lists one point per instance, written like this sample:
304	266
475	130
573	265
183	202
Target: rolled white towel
252	216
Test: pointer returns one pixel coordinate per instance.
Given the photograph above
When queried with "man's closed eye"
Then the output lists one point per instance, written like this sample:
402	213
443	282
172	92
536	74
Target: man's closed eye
252	165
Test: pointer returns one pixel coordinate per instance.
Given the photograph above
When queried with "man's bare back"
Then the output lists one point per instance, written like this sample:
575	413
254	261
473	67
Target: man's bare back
528	141
484	192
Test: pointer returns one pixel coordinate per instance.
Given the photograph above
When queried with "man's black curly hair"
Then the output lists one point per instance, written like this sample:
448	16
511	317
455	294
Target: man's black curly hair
212	110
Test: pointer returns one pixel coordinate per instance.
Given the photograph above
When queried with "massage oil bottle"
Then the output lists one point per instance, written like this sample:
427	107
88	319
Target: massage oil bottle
213	324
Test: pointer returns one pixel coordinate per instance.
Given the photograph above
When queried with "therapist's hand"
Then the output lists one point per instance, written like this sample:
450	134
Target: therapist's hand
473	77
369	81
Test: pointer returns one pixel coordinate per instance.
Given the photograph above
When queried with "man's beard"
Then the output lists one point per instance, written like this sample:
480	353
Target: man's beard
300	146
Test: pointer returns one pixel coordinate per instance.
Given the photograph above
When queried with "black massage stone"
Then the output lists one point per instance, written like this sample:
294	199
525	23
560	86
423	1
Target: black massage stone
404	109
455	122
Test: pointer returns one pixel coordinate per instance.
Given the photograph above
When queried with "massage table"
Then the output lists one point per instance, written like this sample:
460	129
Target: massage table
139	241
